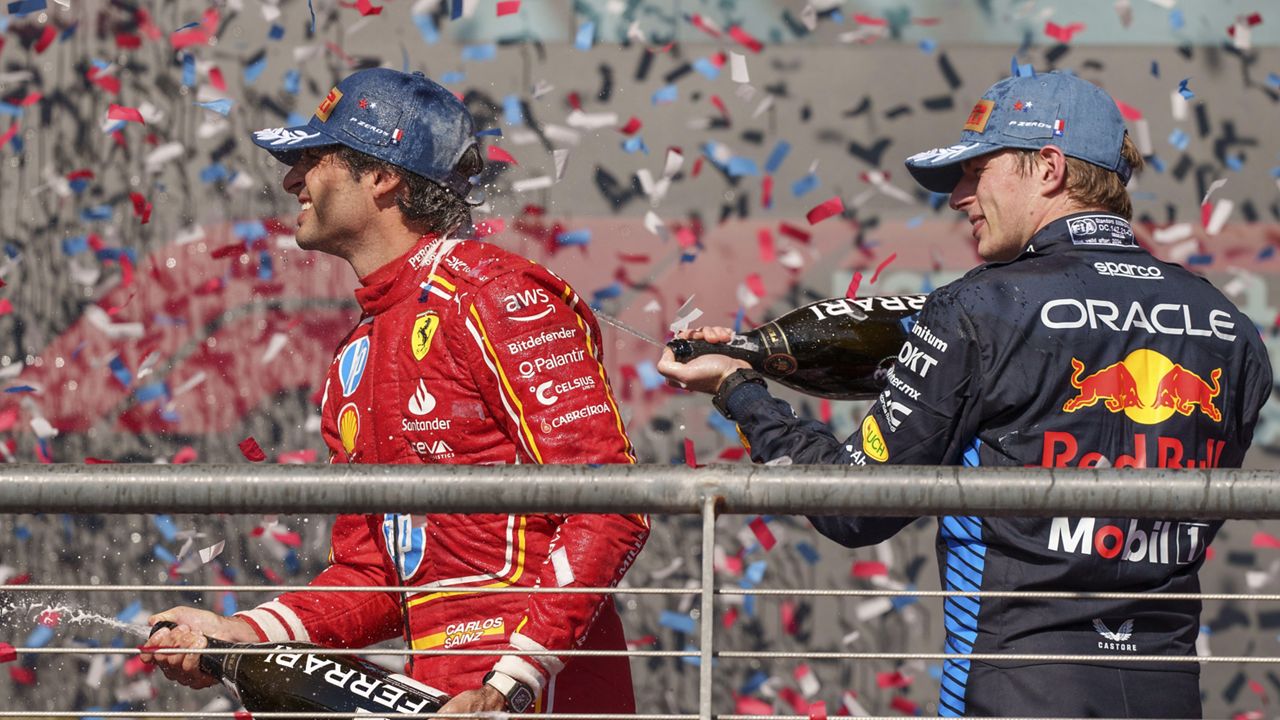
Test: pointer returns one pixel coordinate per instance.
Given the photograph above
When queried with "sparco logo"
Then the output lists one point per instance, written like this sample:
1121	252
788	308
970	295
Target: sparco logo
1160	542
1115	640
351	679
519	346
1129	270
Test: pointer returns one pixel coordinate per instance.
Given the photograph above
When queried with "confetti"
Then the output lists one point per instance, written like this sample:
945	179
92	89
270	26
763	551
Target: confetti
508	7
128	114
762	532
251	450
824	210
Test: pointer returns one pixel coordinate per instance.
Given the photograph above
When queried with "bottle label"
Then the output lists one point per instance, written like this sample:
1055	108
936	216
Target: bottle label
394	692
859	307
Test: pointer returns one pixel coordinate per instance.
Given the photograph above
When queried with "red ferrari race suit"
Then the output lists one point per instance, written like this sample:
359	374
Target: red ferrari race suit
466	353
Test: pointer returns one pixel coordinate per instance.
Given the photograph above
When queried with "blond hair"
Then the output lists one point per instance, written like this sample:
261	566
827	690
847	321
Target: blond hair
1093	186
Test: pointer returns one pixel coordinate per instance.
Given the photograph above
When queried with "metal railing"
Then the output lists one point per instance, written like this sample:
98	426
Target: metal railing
707	491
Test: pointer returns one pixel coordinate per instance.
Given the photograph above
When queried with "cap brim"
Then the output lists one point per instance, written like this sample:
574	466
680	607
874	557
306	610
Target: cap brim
287	144
938	170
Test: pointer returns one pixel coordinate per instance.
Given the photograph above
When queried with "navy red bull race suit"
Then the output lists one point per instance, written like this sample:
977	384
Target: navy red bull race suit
1085	351
466	353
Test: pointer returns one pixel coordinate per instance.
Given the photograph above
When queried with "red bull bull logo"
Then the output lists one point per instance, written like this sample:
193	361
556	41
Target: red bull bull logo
1147	387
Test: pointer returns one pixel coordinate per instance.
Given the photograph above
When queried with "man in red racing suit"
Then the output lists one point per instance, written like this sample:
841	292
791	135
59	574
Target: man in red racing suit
464	353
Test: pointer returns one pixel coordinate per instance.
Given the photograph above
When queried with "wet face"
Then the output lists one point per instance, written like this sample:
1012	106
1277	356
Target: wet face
335	207
1001	204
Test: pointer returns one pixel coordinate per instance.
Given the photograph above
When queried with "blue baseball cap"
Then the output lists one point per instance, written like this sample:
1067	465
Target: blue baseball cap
402	118
1030	112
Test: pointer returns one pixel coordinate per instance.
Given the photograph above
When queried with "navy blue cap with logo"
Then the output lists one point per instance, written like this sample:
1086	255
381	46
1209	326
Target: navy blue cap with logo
1030	112
402	118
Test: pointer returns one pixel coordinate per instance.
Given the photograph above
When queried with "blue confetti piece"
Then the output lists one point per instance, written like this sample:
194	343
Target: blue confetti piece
250	231
915	222
1179	139
18	143
14	390
927	46
26	7
75	245
678	621
1155	69
130	611
722	425
40	636
121	372
1235	162
1155	163
1176	19
650	378
154	391
739	166
635	144
188	26
11	250
1183	91
1203	259
688	257
292	82
229	606
585	36
455	10
1273	80
664	95
754	682
491	132
164	524
10	109
1206	630
755	572
738	318
480	53
221	106
1019	70
808	552
804	185
427	28
707	68
70	32
749	605
1267	252
116	126
901	601
163	555
452	77
22	532
313	16
188	70
276	32
512	111
254	70
79	185
694	660
574	237
266	270
777	156
606	292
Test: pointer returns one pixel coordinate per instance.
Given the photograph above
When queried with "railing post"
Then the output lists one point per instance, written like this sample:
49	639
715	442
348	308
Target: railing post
706	619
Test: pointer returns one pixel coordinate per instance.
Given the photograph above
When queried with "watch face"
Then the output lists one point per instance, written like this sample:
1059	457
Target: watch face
521	698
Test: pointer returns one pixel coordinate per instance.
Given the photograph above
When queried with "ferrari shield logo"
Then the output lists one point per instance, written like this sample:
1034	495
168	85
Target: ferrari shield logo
424	329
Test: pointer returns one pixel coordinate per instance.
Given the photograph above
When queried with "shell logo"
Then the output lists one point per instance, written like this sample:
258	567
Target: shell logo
349	426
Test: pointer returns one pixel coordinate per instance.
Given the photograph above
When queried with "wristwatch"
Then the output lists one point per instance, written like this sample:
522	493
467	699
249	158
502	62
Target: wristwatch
518	695
743	375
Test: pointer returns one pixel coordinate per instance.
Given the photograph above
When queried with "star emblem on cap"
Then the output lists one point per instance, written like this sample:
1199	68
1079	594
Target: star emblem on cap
364	103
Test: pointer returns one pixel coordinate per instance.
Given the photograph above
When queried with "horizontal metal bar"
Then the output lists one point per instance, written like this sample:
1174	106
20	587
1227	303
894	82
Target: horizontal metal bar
889	490
354	651
309	715
995	657
17	589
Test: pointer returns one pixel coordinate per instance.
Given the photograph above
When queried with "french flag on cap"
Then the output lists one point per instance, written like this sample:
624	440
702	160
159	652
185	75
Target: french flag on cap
398	134
1058	127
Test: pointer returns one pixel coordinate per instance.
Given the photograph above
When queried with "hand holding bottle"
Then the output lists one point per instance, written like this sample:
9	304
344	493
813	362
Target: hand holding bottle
192	627
703	373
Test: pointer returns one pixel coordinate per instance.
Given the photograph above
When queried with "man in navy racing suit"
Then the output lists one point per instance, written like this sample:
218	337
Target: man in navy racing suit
1072	347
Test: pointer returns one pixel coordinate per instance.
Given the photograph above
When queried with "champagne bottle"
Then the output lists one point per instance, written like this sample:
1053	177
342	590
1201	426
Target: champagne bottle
292	681
839	348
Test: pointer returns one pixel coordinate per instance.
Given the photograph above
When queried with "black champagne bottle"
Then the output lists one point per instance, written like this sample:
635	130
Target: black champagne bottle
292	681
839	348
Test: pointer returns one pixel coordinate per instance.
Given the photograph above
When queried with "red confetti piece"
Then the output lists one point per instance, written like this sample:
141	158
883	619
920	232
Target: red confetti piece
31	99
755	285
794	232
764	239
128	41
690	458
729	618
8	134
508	7
485	228
745	39
876	275
824	210
893	679
271	575
795	700
766	191
1062	33
746	705
134	666
187	38
215	79
575	101
633	257
697	167
686	238
1266	540
23	676
6	307
904	705
297	457
787	615
852	291
251	450
824	410
235	249
98	461
1206	213
818	711
291	538
48	618
365	7
703	25
632	127
8	418
185	455
141	207
761	530
128	114
243	715
1255	687
724	111
497	154
7	653
47	36
868	568
110	83
868	20
1128	111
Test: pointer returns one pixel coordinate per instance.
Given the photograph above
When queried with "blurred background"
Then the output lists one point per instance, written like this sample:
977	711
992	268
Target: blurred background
661	155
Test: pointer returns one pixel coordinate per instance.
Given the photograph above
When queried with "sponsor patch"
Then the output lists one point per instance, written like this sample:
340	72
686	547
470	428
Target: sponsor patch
1100	230
351	365
330	101
422	402
873	441
412	542
349	427
424	329
1132	271
1147	387
979	115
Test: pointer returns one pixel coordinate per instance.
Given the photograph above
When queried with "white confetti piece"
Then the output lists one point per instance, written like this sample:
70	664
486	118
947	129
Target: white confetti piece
274	346
1142	136
1218	218
1214	187
1173	233
738	68
211	552
1179	108
542	182
564	571
873	608
560	156
592	121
